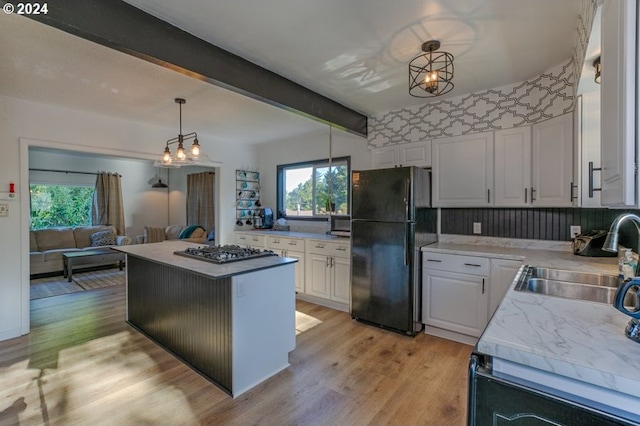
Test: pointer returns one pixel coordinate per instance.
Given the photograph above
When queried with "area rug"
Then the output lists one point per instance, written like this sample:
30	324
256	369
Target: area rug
99	279
53	286
56	286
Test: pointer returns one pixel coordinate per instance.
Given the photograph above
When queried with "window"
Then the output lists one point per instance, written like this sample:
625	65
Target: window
308	190
60	205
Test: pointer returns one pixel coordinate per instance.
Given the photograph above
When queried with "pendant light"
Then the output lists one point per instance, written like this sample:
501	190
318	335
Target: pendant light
181	156
159	184
430	73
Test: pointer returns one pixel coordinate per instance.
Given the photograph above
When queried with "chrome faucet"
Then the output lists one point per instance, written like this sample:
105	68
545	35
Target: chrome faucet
611	243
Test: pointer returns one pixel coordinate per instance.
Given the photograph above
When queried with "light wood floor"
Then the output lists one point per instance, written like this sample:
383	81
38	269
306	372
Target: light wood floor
82	364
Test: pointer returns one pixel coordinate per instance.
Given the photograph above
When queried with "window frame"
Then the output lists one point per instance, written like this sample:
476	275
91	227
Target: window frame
280	190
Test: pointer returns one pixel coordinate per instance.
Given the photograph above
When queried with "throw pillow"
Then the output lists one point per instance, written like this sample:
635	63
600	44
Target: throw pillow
103	238
153	234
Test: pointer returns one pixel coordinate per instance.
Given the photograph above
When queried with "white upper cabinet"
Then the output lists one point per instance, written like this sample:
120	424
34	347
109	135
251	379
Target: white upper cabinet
552	149
463	171
618	112
410	154
512	164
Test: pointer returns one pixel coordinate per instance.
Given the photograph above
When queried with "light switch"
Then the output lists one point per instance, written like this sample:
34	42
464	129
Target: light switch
4	210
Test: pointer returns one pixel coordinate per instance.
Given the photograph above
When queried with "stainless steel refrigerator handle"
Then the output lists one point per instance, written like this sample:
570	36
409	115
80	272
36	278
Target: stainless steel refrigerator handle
407	188
406	245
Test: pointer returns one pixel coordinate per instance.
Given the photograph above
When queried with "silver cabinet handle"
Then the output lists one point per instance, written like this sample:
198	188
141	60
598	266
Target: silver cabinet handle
571	196
341	248
473	264
434	260
525	196
533	191
483	286
327	265
320	246
276	241
591	170
488	196
293	243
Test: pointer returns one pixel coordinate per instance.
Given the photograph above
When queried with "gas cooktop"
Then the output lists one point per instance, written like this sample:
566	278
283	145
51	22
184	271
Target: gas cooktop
223	254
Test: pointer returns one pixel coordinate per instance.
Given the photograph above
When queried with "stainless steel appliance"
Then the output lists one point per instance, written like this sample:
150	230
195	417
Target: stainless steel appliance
340	225
391	218
223	254
264	219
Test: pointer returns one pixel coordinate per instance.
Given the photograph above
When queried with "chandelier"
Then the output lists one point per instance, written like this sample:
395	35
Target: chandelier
181	157
430	73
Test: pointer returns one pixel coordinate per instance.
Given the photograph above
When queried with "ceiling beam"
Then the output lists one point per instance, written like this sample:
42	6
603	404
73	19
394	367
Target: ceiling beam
120	26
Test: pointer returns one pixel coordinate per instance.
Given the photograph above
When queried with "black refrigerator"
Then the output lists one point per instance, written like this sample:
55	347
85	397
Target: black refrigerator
391	218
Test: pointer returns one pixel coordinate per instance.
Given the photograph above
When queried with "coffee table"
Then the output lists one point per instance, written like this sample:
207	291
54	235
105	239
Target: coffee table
96	257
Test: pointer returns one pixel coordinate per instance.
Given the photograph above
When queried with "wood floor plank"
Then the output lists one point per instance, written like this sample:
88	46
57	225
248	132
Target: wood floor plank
82	364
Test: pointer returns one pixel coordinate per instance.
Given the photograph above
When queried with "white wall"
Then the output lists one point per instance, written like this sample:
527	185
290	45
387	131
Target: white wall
143	205
26	124
313	146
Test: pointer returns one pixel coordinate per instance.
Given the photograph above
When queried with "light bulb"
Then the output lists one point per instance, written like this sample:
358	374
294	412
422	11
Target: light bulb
167	155
195	148
180	153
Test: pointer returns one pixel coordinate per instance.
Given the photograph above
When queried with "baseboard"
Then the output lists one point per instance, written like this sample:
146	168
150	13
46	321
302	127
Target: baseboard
323	302
450	335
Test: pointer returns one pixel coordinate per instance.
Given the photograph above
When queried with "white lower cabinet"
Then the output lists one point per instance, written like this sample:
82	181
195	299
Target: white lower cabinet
328	272
323	270
250	239
293	248
460	293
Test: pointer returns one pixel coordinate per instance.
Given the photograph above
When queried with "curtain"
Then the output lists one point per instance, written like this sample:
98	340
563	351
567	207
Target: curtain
200	196
107	207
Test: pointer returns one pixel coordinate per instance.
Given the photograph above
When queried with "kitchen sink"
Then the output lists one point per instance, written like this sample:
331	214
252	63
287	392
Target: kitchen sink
591	287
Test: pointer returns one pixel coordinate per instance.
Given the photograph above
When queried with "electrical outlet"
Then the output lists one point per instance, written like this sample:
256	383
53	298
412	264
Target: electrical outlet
575	230
477	228
4	210
242	290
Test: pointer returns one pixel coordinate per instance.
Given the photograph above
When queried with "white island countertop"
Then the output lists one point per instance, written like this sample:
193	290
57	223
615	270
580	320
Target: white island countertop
163	252
578	340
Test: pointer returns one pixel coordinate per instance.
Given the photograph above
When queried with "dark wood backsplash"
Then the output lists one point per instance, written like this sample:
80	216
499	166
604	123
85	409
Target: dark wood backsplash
536	224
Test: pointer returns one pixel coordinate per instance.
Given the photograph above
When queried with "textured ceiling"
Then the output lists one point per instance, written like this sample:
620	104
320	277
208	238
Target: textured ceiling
353	51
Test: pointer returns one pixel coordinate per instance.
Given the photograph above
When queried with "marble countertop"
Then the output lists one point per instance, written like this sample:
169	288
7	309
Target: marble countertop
163	253
576	339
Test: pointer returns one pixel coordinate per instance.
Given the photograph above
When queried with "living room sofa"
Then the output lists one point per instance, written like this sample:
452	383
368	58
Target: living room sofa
156	234
47	245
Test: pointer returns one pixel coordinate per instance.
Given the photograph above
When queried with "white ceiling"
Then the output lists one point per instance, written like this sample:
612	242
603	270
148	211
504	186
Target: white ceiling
353	51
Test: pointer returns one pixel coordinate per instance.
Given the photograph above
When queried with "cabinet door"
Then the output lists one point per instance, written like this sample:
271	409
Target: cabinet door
415	154
553	162
318	276
463	171
385	157
455	302
299	269
618	91
341	279
512	167
502	274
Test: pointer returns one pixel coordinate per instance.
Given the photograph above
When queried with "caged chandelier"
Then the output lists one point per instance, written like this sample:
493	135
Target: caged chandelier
181	157
430	73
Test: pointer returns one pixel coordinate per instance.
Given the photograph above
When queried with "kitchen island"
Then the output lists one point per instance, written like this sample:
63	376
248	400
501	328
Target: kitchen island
234	323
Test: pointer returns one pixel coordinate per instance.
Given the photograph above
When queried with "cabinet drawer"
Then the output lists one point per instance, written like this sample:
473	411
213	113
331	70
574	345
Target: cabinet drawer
329	248
285	243
456	263
252	240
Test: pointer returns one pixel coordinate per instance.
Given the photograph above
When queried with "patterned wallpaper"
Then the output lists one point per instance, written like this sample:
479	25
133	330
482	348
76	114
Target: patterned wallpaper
548	95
